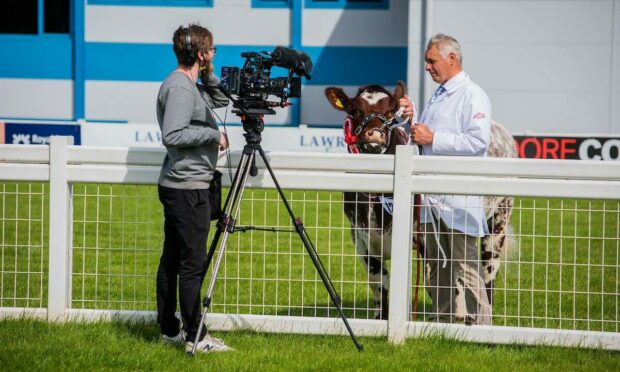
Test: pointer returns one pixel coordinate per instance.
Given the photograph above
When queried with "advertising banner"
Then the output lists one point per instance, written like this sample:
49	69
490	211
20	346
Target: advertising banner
37	134
568	147
274	138
302	138
331	140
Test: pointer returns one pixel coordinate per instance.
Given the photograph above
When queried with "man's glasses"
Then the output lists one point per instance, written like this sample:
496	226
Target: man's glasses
212	49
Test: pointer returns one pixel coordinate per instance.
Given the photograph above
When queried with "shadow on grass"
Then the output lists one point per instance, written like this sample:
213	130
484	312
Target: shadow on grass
351	310
328	310
145	330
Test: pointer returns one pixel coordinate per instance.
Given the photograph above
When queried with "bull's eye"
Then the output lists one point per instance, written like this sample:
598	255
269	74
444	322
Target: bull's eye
358	130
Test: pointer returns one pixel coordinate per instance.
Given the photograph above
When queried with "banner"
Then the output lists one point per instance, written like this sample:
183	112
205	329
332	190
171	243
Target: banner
274	138
37	134
568	147
302	138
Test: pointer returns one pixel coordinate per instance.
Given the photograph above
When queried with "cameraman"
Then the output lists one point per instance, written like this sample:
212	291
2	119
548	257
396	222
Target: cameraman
192	138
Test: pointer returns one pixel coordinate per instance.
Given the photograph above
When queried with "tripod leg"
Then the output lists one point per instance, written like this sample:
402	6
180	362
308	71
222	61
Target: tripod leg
301	230
232	207
221	222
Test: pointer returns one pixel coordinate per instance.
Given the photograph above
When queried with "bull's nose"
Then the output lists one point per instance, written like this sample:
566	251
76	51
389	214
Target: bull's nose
372	148
374	136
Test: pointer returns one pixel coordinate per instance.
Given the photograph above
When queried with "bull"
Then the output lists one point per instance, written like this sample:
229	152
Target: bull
371	126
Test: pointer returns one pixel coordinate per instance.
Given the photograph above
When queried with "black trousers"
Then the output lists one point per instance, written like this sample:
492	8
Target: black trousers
183	259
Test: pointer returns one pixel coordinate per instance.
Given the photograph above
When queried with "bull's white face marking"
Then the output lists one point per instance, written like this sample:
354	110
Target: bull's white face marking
373	97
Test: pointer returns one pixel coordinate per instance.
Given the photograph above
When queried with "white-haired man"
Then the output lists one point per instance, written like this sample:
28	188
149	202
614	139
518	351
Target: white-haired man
455	121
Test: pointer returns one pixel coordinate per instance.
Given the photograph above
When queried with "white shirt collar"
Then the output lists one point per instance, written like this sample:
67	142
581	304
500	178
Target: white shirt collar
456	81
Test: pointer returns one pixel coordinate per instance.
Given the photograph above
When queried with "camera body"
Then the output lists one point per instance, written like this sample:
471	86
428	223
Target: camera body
246	83
252	84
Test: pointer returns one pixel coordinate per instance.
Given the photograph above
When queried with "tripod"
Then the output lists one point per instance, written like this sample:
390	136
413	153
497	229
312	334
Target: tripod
253	125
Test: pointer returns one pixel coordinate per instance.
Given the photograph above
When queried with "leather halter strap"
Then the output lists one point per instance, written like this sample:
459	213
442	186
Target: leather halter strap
367	119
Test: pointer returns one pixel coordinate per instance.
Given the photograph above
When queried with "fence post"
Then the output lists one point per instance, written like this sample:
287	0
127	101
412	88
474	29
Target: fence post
59	288
400	275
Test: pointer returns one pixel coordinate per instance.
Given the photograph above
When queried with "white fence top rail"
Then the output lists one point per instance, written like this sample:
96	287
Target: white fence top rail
338	172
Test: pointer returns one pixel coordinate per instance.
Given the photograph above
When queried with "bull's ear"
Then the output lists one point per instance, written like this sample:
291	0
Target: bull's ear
338	98
399	91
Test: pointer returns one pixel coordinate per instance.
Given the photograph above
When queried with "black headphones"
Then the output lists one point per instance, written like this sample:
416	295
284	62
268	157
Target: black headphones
190	55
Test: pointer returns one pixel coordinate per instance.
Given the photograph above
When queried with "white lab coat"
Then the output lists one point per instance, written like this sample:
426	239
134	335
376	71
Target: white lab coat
461	121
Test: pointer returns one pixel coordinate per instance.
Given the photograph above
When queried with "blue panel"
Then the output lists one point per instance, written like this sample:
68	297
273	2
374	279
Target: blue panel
296	24
357	65
347	4
39	134
119	61
296	33
148	62
271	3
196	3
50	57
40	17
36	57
79	86
332	65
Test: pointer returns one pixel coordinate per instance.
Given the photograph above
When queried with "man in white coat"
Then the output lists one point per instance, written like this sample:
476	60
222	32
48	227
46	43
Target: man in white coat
456	121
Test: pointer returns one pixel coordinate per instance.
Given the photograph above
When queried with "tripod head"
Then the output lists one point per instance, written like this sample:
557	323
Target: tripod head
251	117
253	125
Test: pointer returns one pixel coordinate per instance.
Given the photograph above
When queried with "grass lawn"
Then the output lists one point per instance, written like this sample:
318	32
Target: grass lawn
37	345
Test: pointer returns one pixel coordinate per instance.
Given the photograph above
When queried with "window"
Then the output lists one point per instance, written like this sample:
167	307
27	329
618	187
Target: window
325	4
196	3
271	3
56	16
22	17
19	17
348	4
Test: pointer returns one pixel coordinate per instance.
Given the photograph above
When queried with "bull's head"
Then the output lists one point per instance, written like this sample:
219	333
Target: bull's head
371	113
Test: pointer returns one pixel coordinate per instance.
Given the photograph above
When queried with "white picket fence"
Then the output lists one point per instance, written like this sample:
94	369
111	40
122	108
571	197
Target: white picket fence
62	165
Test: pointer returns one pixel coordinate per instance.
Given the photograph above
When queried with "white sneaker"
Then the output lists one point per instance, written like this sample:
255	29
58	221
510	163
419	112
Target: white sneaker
174	340
208	344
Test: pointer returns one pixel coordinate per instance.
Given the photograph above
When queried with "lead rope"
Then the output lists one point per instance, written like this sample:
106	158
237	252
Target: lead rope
429	212
417	206
436	231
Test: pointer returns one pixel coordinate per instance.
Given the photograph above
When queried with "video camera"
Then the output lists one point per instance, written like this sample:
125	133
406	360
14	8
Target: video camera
252	84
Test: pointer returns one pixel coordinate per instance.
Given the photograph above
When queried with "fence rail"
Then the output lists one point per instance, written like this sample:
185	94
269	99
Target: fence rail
557	285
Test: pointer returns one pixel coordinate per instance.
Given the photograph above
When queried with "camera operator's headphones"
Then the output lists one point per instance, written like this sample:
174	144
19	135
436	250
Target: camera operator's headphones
190	55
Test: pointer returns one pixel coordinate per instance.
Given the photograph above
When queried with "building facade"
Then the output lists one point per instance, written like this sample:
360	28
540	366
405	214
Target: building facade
549	66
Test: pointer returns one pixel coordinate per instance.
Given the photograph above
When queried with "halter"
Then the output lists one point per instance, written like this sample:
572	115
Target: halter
367	119
351	137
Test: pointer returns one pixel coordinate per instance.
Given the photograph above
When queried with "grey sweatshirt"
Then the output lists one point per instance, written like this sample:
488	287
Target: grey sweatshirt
189	131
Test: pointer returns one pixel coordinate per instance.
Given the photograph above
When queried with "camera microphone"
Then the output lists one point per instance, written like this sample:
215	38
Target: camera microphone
297	61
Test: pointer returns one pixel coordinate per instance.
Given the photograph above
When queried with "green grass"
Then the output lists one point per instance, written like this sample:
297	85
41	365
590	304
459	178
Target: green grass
37	345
